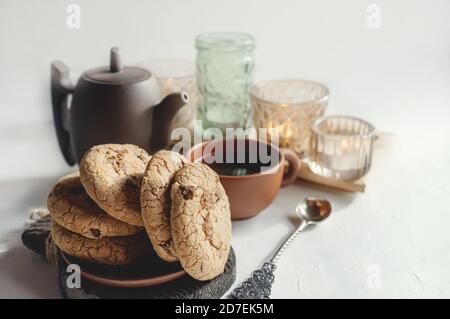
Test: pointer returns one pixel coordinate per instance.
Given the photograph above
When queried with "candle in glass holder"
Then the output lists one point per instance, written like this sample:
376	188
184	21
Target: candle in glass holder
289	106
341	147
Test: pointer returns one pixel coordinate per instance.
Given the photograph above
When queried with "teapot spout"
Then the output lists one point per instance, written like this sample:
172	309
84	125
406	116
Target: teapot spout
163	115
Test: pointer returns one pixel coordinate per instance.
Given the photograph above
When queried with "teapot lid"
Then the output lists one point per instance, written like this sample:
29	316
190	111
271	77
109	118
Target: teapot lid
116	73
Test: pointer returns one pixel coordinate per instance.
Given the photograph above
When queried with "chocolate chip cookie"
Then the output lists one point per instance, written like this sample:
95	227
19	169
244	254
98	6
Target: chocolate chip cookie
114	251
71	207
111	175
155	200
200	221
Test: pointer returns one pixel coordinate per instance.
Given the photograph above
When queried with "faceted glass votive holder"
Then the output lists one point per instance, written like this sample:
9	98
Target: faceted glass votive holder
289	106
341	147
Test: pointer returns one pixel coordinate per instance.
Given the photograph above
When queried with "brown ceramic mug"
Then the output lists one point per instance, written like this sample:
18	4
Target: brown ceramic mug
251	186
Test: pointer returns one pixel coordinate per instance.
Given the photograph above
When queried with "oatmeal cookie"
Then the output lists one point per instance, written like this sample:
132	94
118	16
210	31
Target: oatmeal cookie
155	200
200	221
106	250
71	207
111	175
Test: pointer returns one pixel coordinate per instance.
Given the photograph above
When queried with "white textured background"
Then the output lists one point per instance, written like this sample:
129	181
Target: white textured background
397	77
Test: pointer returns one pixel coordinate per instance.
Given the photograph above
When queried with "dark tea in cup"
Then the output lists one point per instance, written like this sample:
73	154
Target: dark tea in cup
245	165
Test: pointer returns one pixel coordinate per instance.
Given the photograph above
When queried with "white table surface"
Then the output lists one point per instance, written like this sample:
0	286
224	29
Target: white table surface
397	77
398	228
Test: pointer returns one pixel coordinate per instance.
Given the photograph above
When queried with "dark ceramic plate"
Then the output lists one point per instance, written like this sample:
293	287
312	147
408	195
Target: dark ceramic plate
147	271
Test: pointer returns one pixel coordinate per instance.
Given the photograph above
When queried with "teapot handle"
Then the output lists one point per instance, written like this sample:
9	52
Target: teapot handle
61	88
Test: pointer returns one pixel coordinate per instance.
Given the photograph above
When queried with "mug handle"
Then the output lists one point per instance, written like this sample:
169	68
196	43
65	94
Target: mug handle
294	166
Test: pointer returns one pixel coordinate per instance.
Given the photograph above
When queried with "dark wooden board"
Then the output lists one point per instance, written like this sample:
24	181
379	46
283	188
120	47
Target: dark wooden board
35	235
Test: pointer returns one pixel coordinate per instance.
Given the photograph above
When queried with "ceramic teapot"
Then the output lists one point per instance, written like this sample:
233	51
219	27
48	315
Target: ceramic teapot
113	104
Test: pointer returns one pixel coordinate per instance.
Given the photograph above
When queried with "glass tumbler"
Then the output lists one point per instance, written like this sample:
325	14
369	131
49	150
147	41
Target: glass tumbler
224	77
341	147
177	76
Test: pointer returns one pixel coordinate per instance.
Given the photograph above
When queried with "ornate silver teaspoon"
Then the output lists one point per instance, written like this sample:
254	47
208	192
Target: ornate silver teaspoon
311	210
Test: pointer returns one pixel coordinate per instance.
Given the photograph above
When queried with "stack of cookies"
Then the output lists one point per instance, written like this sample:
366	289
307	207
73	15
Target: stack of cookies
100	213
186	214
96	212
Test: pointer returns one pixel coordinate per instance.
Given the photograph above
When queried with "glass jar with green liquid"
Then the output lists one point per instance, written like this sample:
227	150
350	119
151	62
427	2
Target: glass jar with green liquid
224	77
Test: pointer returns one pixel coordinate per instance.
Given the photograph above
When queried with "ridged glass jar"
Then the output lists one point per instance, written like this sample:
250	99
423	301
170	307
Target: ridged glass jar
341	147
224	77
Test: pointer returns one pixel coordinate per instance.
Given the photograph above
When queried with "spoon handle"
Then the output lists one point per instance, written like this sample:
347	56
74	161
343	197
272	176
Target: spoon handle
288	241
259	285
